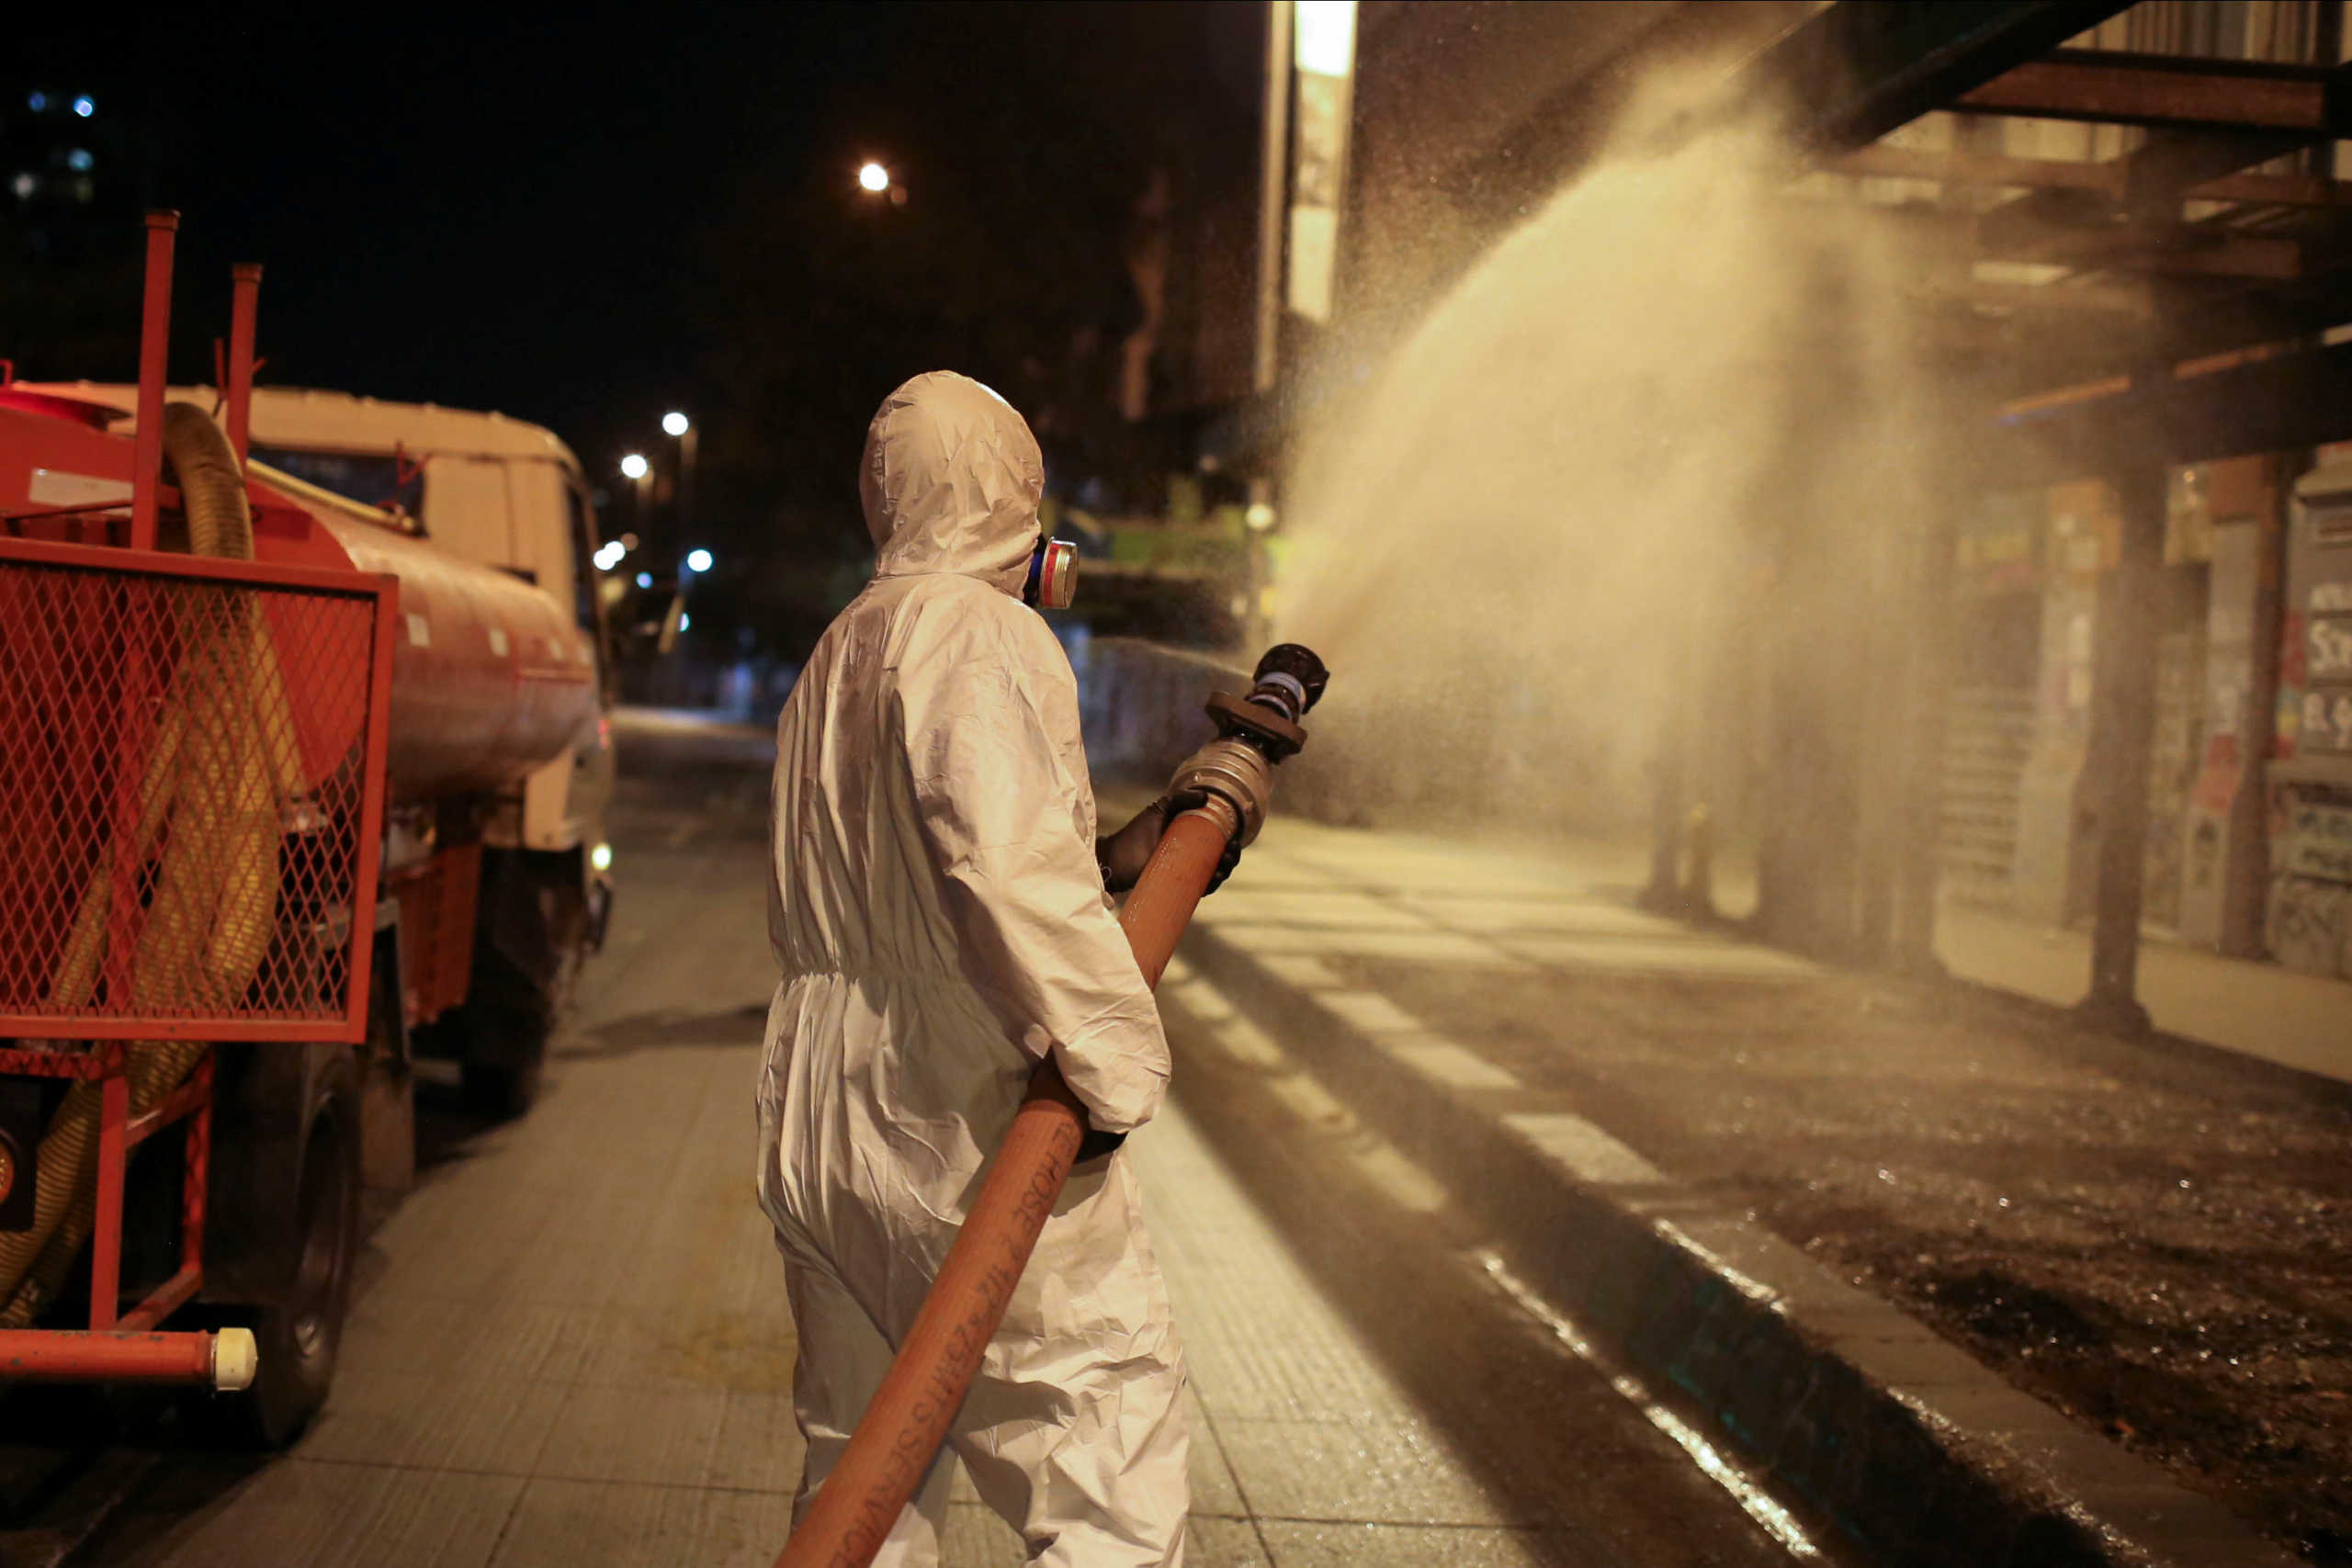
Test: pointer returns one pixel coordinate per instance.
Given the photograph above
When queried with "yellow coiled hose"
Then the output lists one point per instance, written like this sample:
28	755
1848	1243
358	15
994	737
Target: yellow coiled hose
224	764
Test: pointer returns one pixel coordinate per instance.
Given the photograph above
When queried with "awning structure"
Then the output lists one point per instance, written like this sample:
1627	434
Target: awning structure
2214	238
2170	295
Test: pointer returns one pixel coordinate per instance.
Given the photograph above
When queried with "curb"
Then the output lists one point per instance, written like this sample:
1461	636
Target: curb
1911	1452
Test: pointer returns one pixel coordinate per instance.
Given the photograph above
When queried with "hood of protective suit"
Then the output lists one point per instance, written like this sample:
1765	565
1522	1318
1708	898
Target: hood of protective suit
950	482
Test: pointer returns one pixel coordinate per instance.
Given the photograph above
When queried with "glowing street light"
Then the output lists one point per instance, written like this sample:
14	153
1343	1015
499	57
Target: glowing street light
874	178
698	560
639	473
676	425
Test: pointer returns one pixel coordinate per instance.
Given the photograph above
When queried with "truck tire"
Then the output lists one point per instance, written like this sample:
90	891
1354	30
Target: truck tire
301	1338
504	1028
529	940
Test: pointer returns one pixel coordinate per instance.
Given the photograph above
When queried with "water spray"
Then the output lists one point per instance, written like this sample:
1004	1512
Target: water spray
898	1435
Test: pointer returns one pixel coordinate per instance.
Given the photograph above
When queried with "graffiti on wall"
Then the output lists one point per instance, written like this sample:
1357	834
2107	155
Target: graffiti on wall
2318	841
2311	884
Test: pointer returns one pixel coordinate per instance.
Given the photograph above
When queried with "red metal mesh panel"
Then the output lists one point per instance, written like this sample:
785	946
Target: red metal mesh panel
182	765
437	902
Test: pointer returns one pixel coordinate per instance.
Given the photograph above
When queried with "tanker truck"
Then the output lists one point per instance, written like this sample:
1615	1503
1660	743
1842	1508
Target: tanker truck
421	492
304	756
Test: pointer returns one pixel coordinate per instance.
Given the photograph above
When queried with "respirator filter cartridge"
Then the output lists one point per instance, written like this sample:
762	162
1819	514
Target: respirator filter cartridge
1053	576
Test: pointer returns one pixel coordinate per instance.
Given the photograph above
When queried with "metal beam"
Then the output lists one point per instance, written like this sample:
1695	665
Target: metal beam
2319	301
2183	250
2291	400
1982	172
2171	92
2208	118
2124	302
2275	190
2158	175
2106	179
2071	347
1860	69
2172	163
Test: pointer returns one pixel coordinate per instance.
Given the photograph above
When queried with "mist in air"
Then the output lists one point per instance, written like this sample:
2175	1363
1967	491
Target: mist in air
1673	423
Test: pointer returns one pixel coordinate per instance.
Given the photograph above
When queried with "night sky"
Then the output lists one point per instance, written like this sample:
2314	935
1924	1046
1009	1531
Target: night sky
584	216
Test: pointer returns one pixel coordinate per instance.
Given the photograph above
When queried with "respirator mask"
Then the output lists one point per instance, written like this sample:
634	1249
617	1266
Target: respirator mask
1053	576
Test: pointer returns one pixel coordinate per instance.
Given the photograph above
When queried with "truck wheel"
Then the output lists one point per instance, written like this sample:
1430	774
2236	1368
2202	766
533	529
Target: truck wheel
301	1338
507	1023
529	941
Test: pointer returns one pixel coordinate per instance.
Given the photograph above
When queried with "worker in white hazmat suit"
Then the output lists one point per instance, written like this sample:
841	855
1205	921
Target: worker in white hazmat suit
940	919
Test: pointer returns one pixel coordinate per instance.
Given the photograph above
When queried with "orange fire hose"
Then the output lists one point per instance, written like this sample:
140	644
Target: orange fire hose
908	1419
1161	904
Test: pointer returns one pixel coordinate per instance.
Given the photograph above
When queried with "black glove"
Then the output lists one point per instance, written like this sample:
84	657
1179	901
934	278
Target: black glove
1097	1144
1123	854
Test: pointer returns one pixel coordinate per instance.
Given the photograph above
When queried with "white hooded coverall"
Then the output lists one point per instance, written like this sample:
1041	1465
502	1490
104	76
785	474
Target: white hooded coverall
940	924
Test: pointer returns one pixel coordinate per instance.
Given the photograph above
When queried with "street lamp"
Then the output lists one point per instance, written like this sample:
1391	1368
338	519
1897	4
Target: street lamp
676	425
637	471
874	178
697	561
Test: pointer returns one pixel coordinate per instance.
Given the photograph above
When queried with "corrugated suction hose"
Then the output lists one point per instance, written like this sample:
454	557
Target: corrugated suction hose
222	766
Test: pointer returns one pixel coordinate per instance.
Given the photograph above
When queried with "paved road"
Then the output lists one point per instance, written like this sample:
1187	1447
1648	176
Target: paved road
571	1347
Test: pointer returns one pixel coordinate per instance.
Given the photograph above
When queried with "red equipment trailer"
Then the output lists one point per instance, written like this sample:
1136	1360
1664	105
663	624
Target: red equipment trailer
211	692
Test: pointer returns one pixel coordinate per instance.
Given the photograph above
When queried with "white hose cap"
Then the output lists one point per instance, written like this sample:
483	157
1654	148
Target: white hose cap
235	1359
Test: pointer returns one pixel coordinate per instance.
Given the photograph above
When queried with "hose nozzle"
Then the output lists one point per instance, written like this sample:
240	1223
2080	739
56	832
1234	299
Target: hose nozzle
1253	734
1289	678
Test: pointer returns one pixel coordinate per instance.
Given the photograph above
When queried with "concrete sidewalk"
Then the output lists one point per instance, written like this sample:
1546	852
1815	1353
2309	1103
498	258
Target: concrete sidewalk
2298	1020
2303	1022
